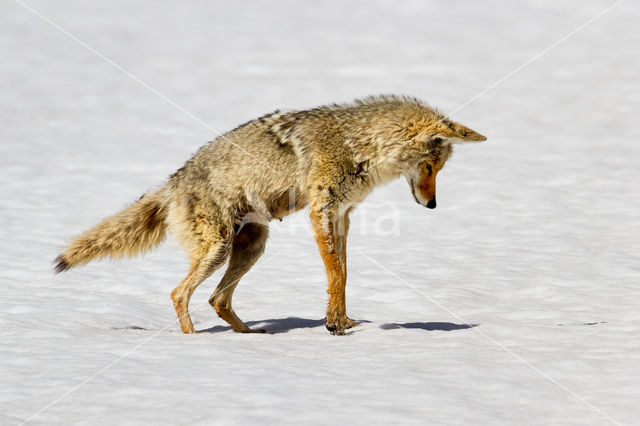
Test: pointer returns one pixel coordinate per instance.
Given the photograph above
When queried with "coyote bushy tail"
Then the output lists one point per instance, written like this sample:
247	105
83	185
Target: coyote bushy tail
135	230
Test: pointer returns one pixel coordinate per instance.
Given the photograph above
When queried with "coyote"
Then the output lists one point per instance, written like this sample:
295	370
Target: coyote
328	158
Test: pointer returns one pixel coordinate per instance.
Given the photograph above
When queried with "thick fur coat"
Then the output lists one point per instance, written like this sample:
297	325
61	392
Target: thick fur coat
219	203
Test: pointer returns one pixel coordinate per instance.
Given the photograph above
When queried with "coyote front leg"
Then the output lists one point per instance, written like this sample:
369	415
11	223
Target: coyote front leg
330	232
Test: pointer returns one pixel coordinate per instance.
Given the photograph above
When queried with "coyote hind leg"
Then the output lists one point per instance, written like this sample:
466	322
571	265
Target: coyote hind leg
248	245
209	258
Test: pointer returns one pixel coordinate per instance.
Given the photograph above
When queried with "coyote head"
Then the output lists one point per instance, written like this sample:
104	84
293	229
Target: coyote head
429	147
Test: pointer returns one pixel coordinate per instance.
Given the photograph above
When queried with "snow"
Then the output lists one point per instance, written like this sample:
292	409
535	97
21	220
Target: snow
514	302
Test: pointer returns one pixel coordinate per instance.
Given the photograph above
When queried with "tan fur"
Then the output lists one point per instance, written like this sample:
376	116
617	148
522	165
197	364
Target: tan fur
330	158
133	231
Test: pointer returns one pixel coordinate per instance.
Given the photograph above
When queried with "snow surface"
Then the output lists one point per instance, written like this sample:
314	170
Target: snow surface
516	301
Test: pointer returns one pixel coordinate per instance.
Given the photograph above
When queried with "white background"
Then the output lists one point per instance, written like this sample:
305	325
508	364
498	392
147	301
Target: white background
535	240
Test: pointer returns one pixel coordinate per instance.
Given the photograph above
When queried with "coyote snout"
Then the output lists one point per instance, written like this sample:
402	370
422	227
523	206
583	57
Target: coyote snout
423	184
424	194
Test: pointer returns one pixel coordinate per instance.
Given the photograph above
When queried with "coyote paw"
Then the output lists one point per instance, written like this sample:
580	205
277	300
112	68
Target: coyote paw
338	325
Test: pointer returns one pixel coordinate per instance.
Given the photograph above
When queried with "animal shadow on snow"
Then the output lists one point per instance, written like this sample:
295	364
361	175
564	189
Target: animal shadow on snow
429	326
273	326
284	325
280	325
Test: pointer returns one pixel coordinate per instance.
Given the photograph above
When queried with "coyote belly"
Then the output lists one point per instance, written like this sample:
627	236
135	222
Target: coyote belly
219	203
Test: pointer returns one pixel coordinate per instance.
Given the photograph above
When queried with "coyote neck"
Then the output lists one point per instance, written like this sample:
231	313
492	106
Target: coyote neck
378	160
383	172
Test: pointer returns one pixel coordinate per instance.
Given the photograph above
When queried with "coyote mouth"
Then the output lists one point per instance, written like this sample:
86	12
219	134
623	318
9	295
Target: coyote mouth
413	192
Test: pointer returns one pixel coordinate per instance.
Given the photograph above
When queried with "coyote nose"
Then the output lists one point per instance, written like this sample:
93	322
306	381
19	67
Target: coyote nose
431	204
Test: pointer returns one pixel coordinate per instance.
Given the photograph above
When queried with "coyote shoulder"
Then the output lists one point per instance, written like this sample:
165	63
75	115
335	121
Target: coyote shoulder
328	158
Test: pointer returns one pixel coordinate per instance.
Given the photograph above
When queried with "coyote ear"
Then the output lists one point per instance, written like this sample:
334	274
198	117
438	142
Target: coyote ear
465	134
450	132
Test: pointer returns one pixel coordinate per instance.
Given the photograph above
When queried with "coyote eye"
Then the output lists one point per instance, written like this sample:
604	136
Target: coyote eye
429	169
436	140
